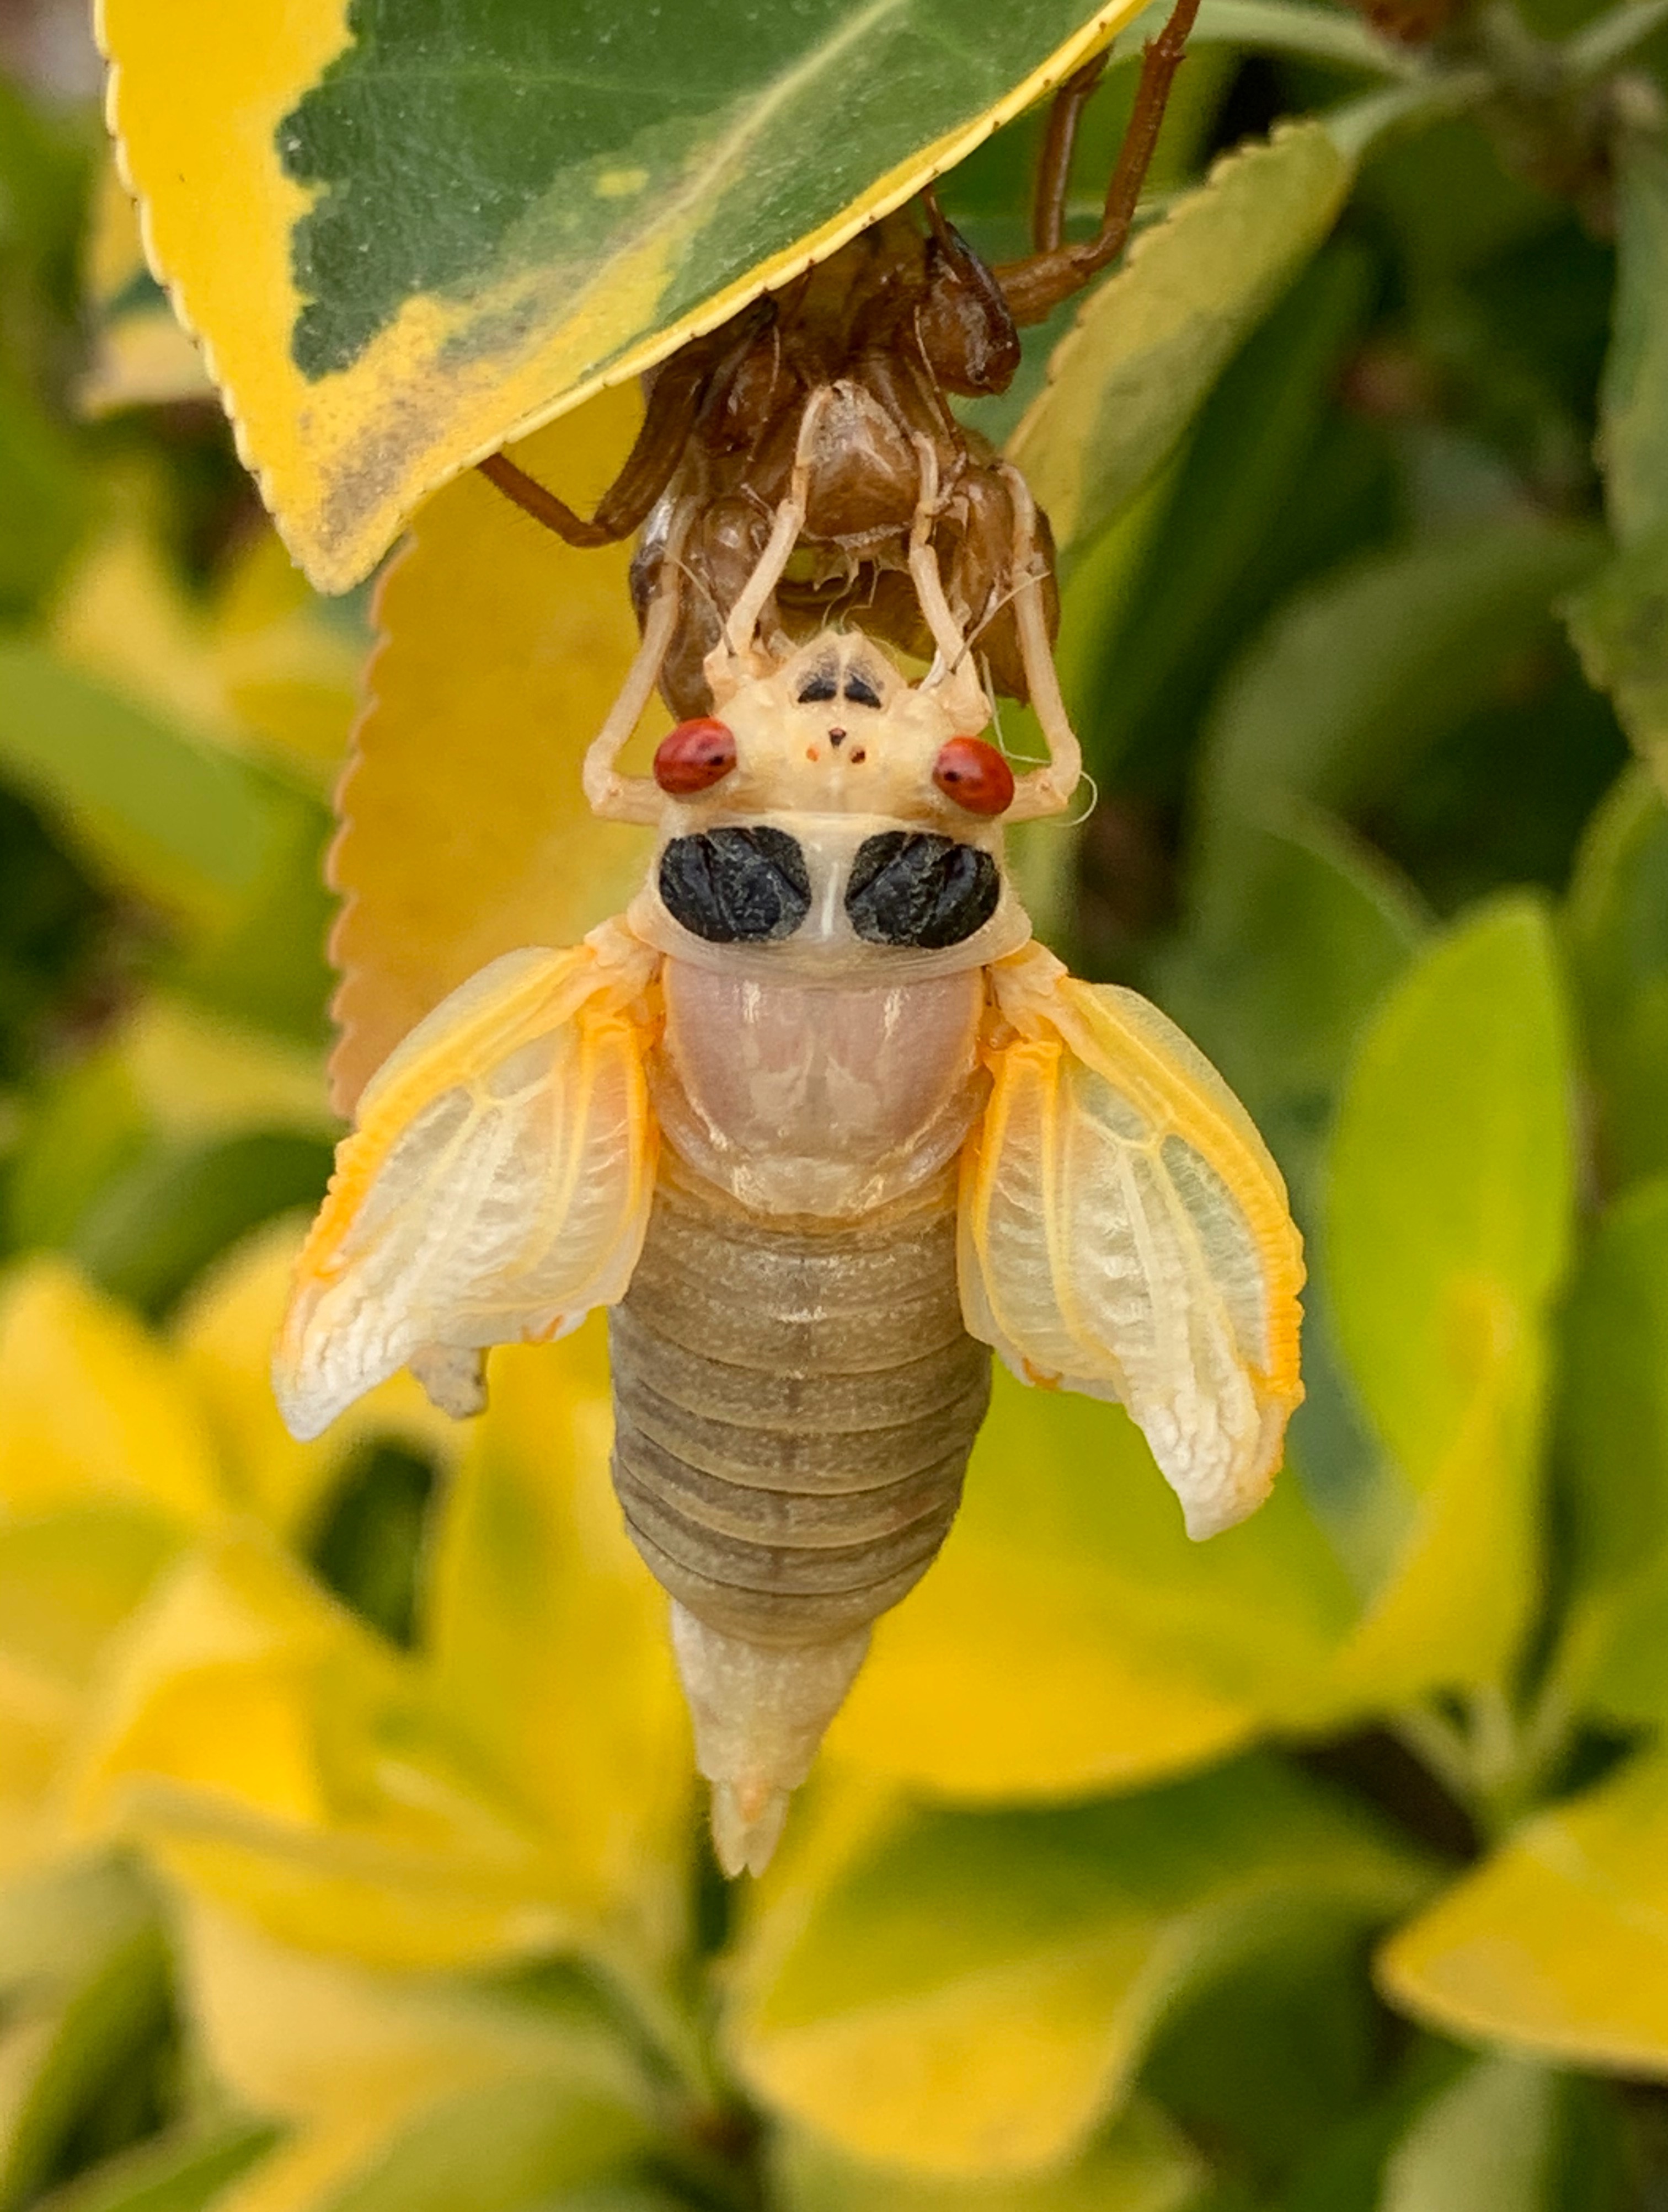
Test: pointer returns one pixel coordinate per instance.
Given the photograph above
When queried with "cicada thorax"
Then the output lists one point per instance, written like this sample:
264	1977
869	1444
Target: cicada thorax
796	1395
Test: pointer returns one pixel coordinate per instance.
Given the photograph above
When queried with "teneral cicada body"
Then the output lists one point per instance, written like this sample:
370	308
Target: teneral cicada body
823	1127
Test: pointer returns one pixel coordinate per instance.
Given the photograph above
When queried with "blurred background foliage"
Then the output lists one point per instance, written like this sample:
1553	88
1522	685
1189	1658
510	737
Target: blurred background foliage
349	1853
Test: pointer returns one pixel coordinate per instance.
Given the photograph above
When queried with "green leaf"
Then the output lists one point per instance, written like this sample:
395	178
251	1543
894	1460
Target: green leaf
1620	624
182	2170
403	2091
498	2148
1633	439
1290	26
1366	671
1276	985
1148	344
269	965
43	500
1266	2057
368	1541
87	1127
611	181
1508	2135
1142	2164
1447	1226
151	1230
186	827
85	1975
965	1995
1620	627
1616	927
1615	1431
1155	654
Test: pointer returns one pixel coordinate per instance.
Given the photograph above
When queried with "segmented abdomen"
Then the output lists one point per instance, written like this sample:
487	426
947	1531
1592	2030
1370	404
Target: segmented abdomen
795	1409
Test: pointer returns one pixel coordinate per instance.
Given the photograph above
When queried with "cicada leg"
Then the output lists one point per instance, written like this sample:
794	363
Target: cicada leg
952	671
1033	288
613	797
1043	790
735	657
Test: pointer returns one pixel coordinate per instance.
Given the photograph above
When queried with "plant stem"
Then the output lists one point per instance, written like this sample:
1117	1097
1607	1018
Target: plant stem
1289	26
1282	26
1358	126
1598	45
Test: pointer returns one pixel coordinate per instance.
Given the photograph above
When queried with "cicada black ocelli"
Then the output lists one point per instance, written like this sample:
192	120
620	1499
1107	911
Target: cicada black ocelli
822	1127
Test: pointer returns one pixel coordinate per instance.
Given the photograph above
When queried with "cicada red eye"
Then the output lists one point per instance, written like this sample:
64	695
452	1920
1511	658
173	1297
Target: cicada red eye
694	756
975	775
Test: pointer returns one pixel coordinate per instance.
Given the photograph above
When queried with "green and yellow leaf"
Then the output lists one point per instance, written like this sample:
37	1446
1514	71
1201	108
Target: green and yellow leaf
964	1994
1450	1202
432	232
1557	1946
271	1752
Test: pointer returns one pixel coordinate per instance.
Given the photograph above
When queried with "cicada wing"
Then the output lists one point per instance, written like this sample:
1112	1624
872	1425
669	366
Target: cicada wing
497	1188
1124	1232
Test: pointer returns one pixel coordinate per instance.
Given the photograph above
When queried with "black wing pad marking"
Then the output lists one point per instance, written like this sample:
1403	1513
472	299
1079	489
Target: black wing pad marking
736	886
913	887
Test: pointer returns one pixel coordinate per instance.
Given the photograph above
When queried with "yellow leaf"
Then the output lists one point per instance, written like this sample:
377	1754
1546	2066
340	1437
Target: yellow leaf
1465	1573
1558	1944
353	2059
69	1582
196	1074
36	1718
225	1331
92	1407
123	617
289	671
465	832
664	174
1069	1637
549	1638
266	669
272	1752
1143	2164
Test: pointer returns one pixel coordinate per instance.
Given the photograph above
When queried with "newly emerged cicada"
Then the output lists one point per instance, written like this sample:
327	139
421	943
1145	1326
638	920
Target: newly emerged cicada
822	1127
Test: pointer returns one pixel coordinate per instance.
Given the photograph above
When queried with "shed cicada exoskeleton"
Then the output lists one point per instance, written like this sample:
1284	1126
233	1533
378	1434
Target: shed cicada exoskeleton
822	1127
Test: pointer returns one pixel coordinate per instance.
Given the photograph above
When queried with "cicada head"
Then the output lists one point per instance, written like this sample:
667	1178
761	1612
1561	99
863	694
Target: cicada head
835	727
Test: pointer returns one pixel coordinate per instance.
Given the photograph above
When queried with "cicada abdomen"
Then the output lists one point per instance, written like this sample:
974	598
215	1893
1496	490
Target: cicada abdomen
795	1409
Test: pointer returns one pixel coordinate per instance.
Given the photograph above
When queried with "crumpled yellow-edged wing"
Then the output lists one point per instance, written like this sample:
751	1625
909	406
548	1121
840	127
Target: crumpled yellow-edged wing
1125	1233
496	1189
406	235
